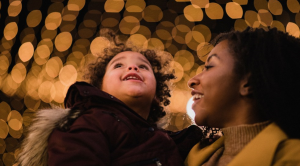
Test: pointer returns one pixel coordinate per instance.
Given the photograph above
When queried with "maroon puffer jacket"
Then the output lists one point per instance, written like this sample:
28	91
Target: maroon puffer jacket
110	133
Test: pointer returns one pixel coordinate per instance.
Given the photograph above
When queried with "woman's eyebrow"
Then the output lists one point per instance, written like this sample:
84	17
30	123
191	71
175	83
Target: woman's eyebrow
213	55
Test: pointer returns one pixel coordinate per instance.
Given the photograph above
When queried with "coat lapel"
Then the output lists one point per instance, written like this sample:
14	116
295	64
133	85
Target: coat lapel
198	156
261	150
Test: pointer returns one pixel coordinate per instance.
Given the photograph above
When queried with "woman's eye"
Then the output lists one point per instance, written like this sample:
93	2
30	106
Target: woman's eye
118	65
206	67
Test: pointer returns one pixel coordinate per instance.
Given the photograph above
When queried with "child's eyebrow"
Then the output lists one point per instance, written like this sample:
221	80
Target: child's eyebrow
117	59
120	58
146	61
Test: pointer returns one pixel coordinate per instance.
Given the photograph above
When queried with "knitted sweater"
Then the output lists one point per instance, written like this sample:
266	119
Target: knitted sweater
235	139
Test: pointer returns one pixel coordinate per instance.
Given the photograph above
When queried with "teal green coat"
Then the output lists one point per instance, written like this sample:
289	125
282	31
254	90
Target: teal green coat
270	147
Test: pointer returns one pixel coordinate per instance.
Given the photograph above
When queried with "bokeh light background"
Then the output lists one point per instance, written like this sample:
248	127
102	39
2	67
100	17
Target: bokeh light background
46	44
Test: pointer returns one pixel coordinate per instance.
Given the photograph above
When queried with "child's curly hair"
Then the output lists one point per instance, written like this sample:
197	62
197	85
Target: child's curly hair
96	72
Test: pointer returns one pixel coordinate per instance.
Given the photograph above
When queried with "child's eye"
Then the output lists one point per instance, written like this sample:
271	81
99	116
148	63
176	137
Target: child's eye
143	67
118	65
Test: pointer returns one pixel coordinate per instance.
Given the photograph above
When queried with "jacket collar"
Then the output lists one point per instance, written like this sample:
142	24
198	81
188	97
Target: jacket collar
82	90
260	151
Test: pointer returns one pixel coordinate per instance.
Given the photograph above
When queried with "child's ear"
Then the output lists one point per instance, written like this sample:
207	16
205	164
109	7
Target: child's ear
245	88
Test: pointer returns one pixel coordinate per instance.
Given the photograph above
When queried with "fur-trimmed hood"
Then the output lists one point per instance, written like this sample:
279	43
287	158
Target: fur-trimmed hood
34	146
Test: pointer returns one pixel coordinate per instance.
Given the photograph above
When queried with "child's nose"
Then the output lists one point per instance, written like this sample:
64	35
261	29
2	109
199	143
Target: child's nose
133	67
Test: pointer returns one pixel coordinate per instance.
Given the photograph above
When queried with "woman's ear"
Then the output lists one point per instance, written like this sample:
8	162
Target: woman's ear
245	88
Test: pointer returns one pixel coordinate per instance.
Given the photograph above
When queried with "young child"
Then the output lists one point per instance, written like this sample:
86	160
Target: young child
112	120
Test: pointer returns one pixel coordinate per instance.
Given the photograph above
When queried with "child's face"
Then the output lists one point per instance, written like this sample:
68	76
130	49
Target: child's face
129	76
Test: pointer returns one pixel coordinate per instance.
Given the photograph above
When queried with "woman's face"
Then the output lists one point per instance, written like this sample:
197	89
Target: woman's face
216	89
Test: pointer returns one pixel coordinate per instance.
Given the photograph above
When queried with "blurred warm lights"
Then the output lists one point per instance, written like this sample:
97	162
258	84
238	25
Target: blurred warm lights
234	10
193	13
34	18
214	11
114	6
45	47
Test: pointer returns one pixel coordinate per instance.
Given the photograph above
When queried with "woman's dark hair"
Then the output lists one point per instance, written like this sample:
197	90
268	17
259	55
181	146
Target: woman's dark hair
96	72
271	59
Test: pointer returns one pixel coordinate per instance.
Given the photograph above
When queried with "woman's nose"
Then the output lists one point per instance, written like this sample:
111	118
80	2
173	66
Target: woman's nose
133	67
192	82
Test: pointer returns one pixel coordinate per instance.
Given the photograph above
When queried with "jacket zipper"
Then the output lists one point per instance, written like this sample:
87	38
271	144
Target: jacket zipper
150	161
121	120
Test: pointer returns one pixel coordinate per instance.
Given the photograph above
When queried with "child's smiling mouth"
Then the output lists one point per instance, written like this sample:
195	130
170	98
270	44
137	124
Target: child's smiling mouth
132	76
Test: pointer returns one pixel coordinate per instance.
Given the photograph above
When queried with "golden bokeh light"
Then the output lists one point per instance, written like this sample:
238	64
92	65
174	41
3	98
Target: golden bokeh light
152	13
234	10
293	6
45	91
113	6
251	18
265	17
15	120
240	25
292	29
193	39
275	7
193	13
179	32
135	5
69	15
34	18
4	64
8	158
75	5
26	51
204	30
53	66
61	91
138	40
143	30
63	41
53	21
32	100
110	19
129	25
3	129
185	59
214	11
278	25
241	2
164	30
201	4
68	75
10	30
14	8
154	43
41	54
4	110
98	45
18	73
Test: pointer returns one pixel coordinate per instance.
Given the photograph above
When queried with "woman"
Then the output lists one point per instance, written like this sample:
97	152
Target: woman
250	89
